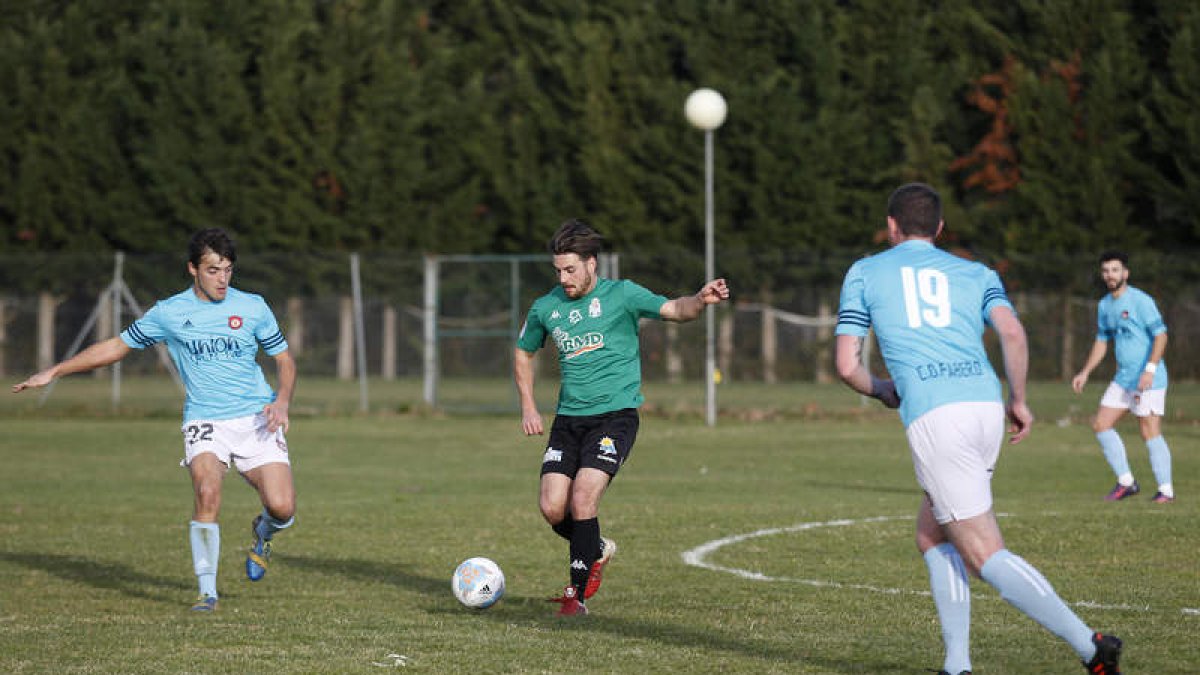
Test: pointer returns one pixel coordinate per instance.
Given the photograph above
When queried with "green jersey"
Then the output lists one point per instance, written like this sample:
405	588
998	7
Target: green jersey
597	340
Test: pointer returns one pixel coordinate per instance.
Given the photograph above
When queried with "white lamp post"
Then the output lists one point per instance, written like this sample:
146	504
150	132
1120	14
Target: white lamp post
706	110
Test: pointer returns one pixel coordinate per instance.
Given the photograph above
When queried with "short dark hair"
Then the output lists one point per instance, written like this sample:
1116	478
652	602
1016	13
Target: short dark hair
1115	254
916	208
212	239
576	236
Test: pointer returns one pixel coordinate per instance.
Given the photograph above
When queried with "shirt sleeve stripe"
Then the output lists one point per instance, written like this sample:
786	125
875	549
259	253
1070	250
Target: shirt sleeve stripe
138	336
854	321
272	341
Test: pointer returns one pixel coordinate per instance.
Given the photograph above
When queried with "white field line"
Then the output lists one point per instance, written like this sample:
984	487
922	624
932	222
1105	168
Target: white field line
698	557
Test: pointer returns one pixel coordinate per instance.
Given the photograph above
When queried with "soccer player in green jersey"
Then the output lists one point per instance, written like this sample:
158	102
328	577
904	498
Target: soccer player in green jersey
594	324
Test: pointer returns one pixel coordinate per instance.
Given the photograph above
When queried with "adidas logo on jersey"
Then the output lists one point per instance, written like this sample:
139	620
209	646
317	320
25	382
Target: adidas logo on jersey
187	323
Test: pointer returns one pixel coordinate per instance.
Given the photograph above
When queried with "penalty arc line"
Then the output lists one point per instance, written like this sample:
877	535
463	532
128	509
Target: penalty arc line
698	557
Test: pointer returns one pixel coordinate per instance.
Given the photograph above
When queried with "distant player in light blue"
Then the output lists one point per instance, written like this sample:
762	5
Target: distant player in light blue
230	416
1128	318
929	310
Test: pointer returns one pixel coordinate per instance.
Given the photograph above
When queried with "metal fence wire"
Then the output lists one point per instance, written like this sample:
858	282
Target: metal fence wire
776	329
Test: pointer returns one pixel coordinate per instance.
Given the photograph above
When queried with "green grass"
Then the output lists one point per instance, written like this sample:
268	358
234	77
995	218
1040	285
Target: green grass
95	574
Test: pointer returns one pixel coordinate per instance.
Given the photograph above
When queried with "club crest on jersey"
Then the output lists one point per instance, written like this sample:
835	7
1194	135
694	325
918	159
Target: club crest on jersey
1125	314
235	322
594	308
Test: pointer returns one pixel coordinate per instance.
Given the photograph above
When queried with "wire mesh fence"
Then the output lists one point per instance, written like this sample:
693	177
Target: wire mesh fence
777	329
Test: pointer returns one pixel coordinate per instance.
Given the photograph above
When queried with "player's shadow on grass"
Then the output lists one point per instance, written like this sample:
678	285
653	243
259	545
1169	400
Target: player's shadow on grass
369	571
104	575
538	611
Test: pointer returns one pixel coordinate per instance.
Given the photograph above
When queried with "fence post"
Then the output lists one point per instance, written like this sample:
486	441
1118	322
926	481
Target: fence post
430	361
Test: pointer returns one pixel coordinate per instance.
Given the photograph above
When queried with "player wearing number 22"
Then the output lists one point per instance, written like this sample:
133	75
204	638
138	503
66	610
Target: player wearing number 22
231	417
929	310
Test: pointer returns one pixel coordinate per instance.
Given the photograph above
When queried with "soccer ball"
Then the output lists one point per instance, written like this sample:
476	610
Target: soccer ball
478	583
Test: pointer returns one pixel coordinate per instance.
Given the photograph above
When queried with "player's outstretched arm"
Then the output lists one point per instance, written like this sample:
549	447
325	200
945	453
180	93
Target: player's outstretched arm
97	356
688	307
531	419
1099	349
852	371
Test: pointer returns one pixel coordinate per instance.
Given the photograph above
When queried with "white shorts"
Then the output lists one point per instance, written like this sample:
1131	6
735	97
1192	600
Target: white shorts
1140	403
242	442
954	451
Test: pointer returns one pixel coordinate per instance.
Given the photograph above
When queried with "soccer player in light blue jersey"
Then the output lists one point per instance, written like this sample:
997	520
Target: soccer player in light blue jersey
929	310
230	415
1129	319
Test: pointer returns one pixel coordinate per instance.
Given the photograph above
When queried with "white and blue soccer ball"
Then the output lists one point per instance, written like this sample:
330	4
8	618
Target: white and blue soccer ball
478	583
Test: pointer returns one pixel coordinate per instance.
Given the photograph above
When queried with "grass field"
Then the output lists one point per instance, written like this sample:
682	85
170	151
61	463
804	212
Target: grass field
95	574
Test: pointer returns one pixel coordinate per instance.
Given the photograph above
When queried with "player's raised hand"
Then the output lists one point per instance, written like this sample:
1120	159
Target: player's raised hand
1020	420
37	380
714	291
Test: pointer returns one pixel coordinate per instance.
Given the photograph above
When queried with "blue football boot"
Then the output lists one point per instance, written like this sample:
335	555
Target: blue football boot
259	556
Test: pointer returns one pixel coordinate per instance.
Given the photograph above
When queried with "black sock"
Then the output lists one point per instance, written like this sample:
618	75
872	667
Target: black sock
585	550
564	527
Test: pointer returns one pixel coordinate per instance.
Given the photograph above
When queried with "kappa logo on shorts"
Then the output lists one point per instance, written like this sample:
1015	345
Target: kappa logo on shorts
552	455
608	450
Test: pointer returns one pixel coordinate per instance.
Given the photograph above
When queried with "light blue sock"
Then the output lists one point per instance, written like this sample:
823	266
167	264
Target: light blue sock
206	552
949	582
1160	459
1114	451
1026	589
269	525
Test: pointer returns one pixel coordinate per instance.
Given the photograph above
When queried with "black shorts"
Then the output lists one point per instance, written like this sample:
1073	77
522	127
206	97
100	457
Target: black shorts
594	441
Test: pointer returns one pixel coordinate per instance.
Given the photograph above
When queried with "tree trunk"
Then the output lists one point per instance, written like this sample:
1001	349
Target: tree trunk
47	304
104	327
295	325
770	344
674	360
725	344
1068	338
824	341
3	336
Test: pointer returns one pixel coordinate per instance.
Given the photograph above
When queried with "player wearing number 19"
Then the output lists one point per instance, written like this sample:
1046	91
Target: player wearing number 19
929	310
231	417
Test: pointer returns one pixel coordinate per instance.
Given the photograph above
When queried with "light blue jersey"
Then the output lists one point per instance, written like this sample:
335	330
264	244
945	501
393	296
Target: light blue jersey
214	345
1131	322
929	309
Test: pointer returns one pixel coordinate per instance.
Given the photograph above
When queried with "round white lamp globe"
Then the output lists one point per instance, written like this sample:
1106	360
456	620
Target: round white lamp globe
705	109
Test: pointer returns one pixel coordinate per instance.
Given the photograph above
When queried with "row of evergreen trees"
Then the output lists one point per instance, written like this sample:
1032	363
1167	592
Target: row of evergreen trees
478	125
